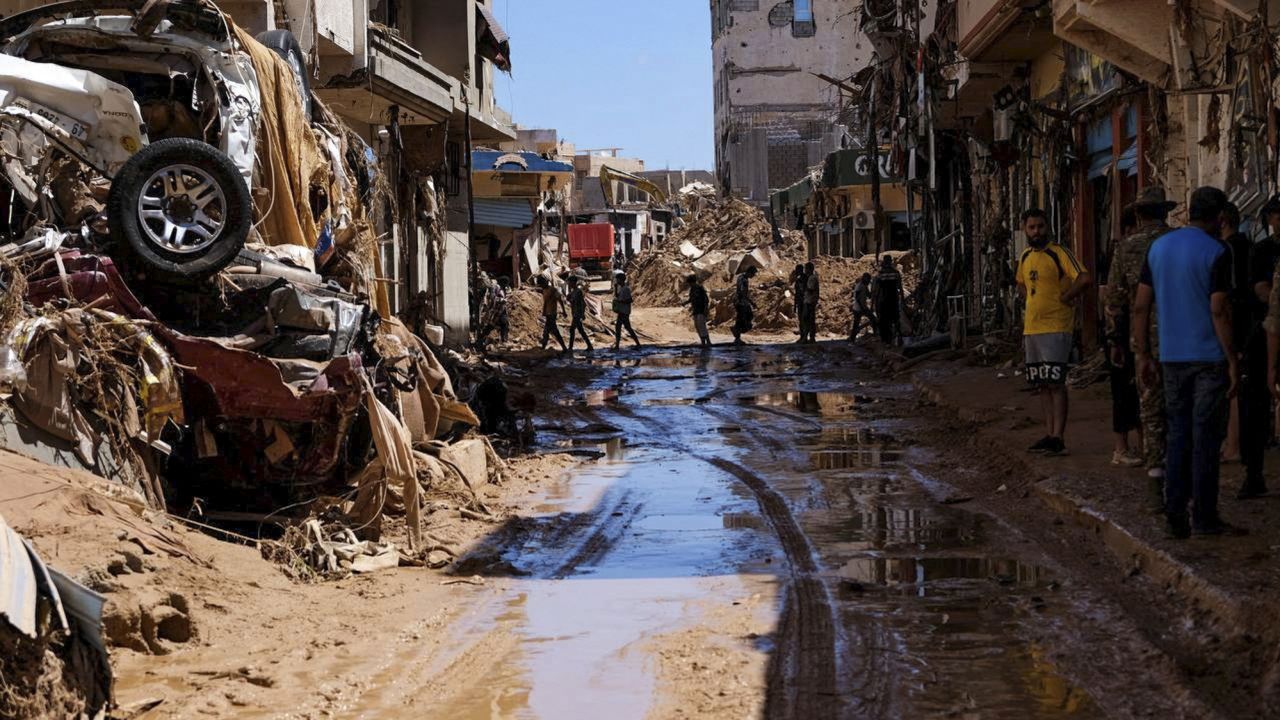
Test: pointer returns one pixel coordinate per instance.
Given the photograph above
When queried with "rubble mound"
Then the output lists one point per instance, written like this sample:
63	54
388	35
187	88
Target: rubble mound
710	244
524	312
775	302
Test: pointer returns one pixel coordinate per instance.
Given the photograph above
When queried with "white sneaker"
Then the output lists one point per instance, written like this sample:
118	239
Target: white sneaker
1156	473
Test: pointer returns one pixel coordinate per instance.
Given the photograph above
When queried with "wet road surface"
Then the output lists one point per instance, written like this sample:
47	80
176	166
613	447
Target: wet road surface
775	473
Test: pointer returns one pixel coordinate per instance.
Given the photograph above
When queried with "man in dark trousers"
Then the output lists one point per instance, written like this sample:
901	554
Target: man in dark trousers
578	311
744	311
1255	390
1187	277
622	308
887	292
699	303
809	311
550	311
861	306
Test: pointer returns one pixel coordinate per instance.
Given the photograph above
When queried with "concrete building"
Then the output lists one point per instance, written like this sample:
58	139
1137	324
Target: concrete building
774	116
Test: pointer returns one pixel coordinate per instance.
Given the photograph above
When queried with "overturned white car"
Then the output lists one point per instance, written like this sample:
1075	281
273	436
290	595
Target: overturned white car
160	102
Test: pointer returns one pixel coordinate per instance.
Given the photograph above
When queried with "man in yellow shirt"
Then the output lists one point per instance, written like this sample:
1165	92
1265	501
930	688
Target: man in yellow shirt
1051	280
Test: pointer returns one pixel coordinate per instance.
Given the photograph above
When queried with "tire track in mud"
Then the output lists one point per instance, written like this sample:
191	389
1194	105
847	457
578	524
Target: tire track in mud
604	535
803	680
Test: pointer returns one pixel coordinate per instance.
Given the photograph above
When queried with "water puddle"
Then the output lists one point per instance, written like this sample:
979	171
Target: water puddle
626	548
610	449
816	403
856	458
924	575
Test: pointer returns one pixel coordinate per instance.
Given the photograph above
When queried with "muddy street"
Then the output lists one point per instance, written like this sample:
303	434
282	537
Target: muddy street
766	532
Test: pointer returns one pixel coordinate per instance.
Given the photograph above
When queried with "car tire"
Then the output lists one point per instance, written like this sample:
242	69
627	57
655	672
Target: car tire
180	208
286	46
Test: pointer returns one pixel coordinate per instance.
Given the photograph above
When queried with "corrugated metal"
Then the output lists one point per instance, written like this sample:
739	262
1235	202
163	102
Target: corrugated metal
17	582
504	212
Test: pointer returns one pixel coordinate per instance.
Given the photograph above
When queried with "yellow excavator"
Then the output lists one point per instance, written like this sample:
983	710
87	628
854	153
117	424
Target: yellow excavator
608	176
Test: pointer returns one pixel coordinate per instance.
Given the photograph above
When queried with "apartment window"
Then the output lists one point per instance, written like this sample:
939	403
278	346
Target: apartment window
802	23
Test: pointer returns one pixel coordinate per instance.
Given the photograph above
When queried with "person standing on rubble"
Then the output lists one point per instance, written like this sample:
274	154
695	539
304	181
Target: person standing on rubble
699	303
1151	210
744	311
809	313
578	313
887	298
622	308
550	311
861	306
1187	276
797	280
1051	280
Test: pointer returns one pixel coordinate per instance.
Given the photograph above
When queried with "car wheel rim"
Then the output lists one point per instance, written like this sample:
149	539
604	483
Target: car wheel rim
182	209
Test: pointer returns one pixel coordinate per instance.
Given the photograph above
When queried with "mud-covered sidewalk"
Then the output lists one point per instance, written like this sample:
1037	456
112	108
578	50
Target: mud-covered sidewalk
1210	603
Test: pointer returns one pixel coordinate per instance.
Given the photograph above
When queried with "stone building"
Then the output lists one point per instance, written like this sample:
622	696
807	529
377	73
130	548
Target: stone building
774	116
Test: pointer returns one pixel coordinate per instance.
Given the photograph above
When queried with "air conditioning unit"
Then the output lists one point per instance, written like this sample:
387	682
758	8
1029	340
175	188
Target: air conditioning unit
864	220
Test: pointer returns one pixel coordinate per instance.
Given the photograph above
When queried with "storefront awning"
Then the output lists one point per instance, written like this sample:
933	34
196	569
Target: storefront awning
503	212
492	41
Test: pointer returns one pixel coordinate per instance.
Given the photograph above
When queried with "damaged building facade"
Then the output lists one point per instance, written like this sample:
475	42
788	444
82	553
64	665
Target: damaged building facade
775	114
975	110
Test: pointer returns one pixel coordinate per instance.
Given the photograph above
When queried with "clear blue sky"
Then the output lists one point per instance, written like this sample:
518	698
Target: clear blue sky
635	75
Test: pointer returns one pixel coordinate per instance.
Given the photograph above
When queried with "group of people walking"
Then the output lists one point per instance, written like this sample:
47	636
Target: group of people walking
877	300
1192	333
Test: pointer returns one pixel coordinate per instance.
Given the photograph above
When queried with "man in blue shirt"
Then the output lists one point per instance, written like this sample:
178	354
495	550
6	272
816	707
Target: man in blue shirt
1188	277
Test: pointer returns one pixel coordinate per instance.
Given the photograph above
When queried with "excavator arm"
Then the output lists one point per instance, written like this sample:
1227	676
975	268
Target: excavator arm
608	176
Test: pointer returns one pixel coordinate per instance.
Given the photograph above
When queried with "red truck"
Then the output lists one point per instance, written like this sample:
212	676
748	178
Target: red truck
591	248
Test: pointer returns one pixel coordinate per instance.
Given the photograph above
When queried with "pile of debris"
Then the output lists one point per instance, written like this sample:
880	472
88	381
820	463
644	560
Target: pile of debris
720	239
524	311
192	302
729	235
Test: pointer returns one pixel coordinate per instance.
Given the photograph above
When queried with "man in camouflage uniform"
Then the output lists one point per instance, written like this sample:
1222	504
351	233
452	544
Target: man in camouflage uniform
1152	211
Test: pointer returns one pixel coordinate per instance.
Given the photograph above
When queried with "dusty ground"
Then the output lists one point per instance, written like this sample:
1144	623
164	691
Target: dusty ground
777	531
211	629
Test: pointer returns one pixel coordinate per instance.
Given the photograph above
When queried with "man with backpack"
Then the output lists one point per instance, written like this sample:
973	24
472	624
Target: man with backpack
1051	280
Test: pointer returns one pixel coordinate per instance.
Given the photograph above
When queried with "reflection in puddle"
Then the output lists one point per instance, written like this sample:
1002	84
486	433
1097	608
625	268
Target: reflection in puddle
592	398
661	402
856	448
747	521
920	571
611	449
818	403
859	458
